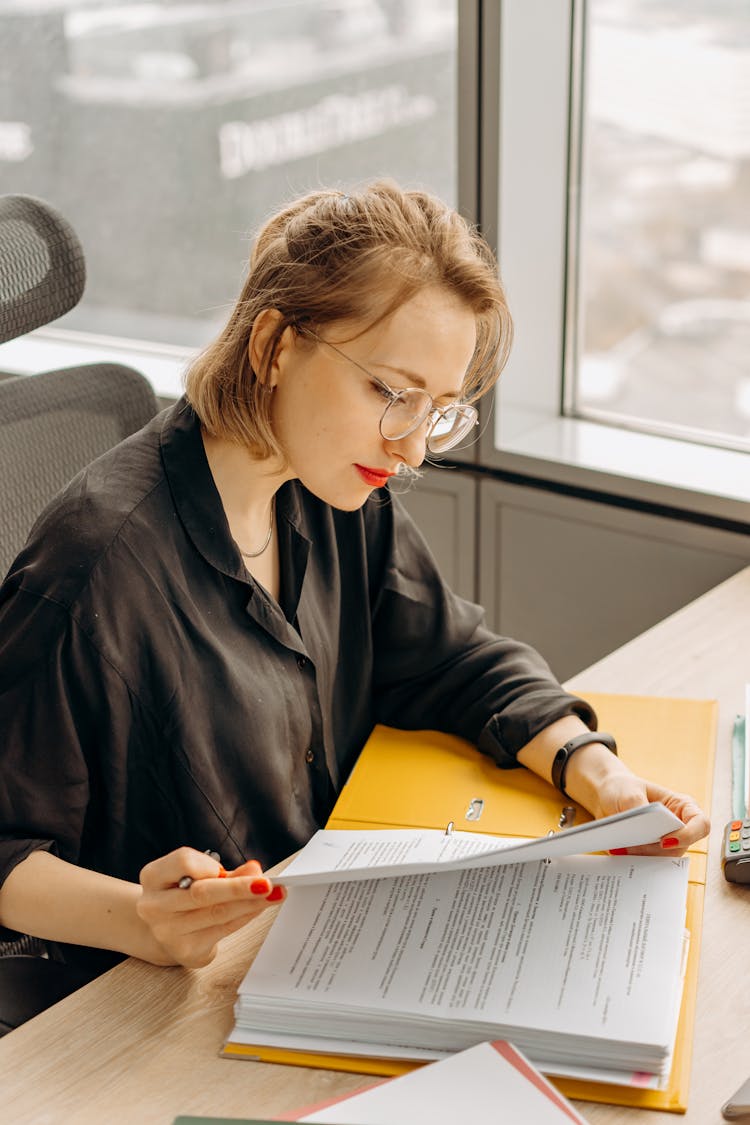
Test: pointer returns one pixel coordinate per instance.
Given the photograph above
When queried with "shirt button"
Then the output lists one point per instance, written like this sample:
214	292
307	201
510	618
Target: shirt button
301	661
309	756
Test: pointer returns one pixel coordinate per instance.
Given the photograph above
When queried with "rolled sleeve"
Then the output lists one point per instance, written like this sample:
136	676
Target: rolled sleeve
437	666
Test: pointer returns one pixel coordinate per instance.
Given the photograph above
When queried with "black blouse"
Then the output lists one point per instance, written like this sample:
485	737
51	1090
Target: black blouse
152	694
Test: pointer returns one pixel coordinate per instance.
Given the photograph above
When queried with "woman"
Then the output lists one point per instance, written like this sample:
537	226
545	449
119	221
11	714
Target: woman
203	629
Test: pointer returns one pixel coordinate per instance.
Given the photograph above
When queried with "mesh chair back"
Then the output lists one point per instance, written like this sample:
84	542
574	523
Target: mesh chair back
51	426
42	269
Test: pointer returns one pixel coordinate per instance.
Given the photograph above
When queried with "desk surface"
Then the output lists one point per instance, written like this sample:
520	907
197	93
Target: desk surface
140	1044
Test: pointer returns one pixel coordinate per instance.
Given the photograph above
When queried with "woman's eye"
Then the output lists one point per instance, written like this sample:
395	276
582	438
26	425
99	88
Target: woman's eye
384	392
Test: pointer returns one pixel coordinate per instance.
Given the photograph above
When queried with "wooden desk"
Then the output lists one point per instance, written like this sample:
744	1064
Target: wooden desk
140	1044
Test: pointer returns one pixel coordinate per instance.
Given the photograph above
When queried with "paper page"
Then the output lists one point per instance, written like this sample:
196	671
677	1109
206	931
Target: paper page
470	1086
588	947
343	856
311	1045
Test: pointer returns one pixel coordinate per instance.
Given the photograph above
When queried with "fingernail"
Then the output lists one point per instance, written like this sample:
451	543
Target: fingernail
276	895
618	851
222	872
260	886
670	842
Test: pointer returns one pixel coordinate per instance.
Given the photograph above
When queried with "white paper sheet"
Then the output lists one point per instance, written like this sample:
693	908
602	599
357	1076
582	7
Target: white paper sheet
343	856
481	1085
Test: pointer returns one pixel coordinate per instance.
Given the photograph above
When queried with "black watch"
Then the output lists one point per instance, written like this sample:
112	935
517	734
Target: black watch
564	754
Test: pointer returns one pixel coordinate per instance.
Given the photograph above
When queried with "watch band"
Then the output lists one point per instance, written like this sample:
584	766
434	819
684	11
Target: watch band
564	754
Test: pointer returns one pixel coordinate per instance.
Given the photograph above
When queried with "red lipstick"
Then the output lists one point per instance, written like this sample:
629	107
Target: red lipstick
376	478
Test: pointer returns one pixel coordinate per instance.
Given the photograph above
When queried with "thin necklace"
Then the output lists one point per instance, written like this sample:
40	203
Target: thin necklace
256	554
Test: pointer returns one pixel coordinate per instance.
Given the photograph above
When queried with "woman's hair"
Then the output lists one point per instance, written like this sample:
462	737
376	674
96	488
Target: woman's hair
331	256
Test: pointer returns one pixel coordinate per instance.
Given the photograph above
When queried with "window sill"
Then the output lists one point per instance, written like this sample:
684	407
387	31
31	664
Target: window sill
698	479
163	365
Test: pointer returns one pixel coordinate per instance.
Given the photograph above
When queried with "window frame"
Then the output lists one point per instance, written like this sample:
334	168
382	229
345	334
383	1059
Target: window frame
527	95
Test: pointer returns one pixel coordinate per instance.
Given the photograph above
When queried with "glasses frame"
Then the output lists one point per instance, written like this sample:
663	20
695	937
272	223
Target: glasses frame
432	415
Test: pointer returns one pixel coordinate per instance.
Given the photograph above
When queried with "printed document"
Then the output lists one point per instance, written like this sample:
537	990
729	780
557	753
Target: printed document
575	961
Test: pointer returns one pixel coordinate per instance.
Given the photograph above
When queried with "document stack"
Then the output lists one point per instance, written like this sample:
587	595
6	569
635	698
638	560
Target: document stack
577	960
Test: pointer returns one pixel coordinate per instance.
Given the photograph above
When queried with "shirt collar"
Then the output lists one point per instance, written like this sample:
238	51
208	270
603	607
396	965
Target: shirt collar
199	505
193	490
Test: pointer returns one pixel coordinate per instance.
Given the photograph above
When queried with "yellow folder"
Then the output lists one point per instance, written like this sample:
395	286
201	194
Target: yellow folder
425	779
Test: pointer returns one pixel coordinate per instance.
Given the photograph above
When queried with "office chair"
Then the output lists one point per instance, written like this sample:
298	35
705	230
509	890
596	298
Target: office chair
51	426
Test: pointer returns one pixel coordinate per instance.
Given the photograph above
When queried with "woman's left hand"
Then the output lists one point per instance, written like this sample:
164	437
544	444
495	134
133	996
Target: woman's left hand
602	783
624	791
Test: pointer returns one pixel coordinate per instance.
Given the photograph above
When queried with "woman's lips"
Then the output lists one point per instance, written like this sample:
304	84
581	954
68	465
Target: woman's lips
376	478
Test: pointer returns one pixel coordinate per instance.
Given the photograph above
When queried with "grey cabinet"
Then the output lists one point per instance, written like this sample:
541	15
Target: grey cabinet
576	578
444	506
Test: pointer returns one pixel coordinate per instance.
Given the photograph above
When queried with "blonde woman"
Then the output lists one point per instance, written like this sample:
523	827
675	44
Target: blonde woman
204	628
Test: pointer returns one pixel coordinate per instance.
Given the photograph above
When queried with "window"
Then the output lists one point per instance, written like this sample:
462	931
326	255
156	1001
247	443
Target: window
167	131
554	242
661	261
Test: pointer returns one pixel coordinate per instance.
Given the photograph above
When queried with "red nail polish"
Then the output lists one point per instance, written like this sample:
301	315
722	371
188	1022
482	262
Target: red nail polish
618	851
222	872
276	895
260	886
670	842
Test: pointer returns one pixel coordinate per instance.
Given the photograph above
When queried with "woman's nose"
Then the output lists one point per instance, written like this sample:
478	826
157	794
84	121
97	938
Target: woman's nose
413	448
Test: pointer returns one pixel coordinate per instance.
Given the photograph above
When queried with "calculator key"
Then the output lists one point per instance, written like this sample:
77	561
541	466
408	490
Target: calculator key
745	833
735	825
734	846
734	835
746	845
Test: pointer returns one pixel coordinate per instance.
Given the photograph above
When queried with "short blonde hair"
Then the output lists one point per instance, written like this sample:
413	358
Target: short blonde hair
333	256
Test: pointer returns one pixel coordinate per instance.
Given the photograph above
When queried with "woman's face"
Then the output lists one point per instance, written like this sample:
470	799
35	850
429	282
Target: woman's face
326	411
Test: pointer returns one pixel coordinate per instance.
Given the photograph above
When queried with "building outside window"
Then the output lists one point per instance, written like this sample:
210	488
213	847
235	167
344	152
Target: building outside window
166	132
615	173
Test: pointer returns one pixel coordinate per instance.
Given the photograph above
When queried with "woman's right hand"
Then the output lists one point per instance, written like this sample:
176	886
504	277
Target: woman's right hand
187	924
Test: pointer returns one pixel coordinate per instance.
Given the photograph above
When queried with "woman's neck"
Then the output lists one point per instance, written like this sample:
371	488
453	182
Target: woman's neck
247	486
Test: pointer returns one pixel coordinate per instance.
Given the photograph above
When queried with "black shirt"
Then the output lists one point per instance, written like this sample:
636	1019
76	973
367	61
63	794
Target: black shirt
152	694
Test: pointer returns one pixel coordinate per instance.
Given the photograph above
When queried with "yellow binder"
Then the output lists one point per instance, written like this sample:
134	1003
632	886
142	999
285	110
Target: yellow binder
425	779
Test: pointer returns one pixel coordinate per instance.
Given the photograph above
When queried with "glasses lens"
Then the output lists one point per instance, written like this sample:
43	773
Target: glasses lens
451	427
402	416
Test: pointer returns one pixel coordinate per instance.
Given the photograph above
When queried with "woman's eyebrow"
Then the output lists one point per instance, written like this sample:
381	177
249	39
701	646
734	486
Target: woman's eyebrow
414	379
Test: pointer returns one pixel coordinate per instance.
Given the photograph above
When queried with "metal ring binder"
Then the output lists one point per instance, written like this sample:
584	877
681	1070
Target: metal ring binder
475	809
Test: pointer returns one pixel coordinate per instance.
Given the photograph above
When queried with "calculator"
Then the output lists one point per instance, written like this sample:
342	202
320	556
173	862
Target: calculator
735	854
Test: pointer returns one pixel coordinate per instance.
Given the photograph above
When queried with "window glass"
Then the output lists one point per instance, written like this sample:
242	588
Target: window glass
661	315
167	131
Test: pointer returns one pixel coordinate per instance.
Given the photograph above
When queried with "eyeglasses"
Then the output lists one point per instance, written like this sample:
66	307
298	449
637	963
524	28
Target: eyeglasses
406	410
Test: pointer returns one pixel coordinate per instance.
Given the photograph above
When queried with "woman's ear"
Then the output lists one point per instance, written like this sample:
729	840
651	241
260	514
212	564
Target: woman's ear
265	325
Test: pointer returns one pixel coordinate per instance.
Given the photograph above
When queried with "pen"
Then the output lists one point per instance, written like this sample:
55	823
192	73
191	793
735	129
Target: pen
187	881
747	751
741	762
738	768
